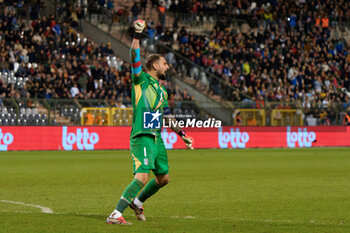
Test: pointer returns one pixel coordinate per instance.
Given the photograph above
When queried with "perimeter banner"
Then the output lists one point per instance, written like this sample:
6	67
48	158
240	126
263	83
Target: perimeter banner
13	138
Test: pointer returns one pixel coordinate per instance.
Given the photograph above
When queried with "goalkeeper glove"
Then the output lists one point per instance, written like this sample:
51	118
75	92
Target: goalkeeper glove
187	140
139	25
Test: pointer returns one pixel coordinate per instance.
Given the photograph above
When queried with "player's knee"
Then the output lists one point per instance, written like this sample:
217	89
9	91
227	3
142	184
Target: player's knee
143	177
164	181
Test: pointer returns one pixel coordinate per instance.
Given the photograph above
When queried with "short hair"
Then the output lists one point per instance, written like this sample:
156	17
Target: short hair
151	59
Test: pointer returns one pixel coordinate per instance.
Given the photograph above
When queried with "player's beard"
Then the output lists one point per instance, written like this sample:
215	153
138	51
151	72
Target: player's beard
161	76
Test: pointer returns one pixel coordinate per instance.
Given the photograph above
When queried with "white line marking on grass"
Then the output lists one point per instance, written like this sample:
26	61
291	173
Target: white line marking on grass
43	209
17	211
188	217
281	221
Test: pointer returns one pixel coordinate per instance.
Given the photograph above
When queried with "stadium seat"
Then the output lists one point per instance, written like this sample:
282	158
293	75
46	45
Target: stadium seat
71	111
144	43
53	122
177	111
43	122
15	66
151	48
193	113
31	119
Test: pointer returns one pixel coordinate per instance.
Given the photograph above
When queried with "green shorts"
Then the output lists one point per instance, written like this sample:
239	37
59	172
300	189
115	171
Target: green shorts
148	153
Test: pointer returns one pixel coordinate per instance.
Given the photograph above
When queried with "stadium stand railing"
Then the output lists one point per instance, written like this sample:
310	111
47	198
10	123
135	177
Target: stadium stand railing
54	112
106	116
250	117
286	117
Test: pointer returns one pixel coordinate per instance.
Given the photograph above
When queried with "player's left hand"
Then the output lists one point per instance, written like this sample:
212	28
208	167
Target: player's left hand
188	141
139	25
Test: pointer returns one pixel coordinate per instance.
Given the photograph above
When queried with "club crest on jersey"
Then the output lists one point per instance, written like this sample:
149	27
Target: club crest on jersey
151	120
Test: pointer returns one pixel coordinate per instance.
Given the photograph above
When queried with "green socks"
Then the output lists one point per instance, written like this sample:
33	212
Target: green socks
133	189
151	188
129	194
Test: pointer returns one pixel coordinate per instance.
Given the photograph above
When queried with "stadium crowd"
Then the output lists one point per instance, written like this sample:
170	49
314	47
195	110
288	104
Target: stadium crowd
271	10
292	55
56	61
297	55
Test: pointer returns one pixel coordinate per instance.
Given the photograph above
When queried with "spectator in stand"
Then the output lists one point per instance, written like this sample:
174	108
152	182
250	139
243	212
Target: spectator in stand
135	10
238	119
161	12
346	120
119	103
143	7
74	91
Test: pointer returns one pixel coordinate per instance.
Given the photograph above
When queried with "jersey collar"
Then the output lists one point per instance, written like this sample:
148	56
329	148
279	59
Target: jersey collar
152	78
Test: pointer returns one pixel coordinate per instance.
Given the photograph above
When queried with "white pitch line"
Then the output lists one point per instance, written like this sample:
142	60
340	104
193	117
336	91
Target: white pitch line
188	217
16	211
283	221
43	209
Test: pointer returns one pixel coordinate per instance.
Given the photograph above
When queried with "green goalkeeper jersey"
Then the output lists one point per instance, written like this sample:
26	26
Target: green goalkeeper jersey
149	101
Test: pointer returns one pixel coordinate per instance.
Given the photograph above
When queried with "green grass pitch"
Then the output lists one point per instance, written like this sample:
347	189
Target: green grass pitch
257	190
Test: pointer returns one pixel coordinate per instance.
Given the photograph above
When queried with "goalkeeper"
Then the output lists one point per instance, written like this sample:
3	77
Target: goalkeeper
150	105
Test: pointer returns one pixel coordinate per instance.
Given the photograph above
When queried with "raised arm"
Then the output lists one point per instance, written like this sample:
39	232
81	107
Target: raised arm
139	25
